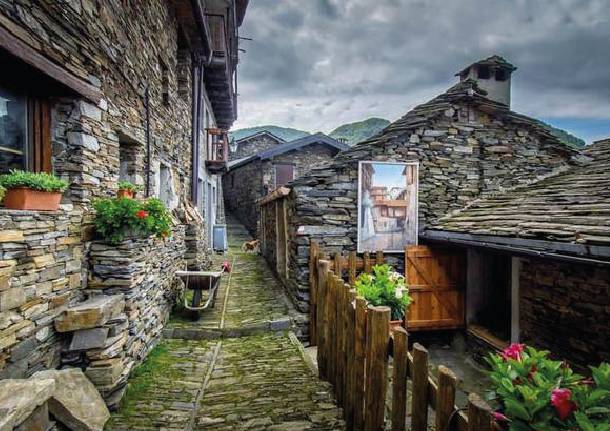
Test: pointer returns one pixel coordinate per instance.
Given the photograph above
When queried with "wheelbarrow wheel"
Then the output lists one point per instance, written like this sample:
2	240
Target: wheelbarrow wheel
197	294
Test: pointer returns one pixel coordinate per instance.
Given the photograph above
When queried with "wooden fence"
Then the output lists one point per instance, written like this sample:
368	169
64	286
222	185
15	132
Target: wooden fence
354	344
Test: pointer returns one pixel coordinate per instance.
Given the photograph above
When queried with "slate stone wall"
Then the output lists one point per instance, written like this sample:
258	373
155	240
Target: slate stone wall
253	145
565	308
122	49
462	154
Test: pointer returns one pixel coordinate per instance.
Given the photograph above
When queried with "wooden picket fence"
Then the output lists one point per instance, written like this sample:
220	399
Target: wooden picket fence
354	344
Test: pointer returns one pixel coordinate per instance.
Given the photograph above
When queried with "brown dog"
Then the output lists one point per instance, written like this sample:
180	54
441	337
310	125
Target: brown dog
253	246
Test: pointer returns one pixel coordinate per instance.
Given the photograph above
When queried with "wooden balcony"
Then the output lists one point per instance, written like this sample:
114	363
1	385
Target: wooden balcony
217	150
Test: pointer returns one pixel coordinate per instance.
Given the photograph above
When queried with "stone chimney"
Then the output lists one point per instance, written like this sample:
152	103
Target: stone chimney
492	75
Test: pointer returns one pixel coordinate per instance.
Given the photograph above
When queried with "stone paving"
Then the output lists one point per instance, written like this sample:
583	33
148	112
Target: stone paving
241	369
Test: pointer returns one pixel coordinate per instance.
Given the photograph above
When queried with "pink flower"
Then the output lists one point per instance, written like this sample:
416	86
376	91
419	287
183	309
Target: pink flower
513	352
561	399
499	417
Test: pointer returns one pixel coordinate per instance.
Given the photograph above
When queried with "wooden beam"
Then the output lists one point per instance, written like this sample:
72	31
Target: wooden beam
32	57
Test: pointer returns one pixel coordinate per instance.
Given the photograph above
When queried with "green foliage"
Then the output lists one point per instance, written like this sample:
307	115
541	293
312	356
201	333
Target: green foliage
126	185
117	218
2	193
33	180
384	287
537	393
286	133
359	131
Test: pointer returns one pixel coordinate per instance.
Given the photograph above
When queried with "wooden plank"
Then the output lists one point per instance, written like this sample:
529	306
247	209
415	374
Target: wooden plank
379	257
340	351
349	362
399	381
331	311
419	405
322	318
313	293
479	414
367	262
359	362
338	267
32	57
351	267
445	397
377	367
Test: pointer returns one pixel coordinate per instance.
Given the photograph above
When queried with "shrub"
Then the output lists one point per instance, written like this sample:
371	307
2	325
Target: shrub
384	287
117	218
126	185
2	193
537	393
33	180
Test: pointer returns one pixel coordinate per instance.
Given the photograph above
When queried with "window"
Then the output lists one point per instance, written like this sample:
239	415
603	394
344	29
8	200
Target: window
128	159
483	72
501	75
25	128
283	174
165	185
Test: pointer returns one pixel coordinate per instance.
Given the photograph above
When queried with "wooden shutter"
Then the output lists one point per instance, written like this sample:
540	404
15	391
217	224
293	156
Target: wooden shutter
283	174
436	280
39	111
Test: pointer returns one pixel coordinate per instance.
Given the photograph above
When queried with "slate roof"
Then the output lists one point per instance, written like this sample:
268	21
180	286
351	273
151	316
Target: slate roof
572	206
318	138
260	133
494	60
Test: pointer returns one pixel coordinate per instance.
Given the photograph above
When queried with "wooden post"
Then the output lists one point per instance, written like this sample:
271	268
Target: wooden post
379	257
338	264
340	351
359	362
351	267
332	326
366	258
445	397
419	406
479	414
399	380
322	318
377	367
313	293
349	359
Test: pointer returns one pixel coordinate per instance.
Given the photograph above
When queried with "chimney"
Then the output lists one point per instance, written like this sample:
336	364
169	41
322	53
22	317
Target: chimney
492	75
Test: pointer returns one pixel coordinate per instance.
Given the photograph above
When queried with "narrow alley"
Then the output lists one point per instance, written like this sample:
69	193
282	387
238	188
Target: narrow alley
241	368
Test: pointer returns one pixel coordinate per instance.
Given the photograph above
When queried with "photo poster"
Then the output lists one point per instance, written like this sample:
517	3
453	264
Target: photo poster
387	206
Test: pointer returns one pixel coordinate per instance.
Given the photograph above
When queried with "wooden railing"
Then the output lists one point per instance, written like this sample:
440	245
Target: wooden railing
354	344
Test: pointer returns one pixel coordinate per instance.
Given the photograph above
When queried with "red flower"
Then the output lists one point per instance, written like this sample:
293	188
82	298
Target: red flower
499	416
141	214
513	352
533	371
561	399
226	266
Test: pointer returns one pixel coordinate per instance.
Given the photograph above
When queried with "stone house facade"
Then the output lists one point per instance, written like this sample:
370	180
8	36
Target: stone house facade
253	177
113	91
250	145
469	147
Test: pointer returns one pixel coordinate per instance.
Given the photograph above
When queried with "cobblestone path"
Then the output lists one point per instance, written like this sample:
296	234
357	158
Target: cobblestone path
240	369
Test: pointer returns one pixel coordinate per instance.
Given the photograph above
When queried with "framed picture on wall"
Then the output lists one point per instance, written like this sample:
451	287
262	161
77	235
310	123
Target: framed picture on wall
387	205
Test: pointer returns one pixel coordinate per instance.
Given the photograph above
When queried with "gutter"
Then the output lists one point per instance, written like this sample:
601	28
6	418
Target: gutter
583	254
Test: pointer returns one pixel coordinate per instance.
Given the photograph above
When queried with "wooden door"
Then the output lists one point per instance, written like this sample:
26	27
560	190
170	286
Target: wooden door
436	278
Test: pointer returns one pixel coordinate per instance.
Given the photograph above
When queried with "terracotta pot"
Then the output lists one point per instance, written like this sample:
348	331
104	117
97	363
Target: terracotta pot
22	198
126	193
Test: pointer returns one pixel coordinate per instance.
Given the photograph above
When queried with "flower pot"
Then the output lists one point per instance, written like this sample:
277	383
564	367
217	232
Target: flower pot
126	193
397	324
22	198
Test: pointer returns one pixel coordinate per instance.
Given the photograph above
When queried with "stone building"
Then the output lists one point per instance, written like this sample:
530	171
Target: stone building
274	164
469	148
97	92
250	145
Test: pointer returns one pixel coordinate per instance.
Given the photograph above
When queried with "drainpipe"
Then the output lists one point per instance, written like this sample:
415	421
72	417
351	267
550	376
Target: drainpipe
148	146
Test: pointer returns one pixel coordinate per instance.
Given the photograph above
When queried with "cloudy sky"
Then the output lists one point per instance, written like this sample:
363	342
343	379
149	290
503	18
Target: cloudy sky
316	64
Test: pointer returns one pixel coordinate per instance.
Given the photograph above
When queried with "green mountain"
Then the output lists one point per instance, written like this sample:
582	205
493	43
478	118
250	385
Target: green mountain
359	131
565	137
286	133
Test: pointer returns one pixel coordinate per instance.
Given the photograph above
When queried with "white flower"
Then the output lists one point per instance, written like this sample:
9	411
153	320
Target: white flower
398	293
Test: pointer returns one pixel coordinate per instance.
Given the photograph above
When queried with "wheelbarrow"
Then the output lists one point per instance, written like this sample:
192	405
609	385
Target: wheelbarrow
198	281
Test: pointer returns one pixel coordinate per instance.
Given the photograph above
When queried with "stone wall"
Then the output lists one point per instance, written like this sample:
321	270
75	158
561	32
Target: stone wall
41	272
462	153
253	145
565	308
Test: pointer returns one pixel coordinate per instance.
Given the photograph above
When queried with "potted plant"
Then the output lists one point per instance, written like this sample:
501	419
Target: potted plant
119	218
32	190
127	189
385	287
536	393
